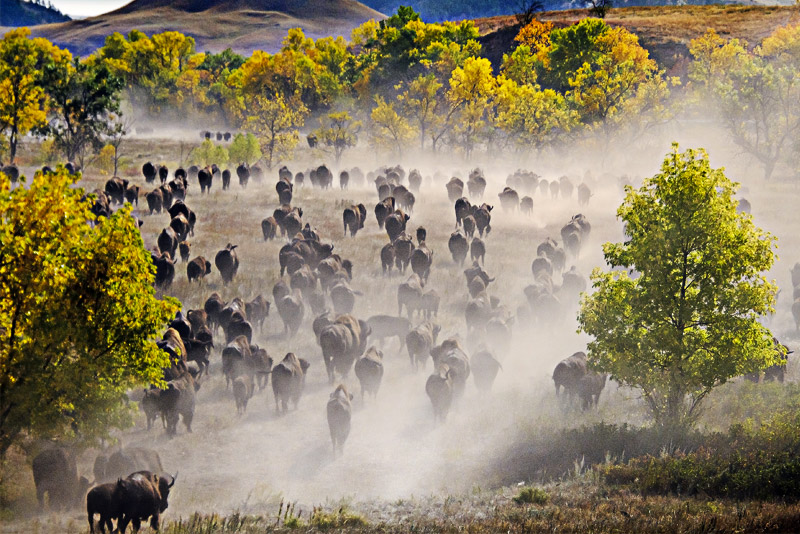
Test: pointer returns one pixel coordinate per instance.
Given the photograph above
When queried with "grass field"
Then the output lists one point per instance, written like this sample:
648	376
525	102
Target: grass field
399	471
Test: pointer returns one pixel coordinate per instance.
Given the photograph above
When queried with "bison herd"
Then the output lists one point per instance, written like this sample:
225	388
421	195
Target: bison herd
316	294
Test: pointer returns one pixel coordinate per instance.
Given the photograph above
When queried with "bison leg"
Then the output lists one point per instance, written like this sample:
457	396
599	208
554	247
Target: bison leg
187	420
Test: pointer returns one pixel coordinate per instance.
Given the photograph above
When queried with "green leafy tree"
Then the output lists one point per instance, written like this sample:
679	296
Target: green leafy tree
84	98
78	314
338	131
208	154
244	149
679	313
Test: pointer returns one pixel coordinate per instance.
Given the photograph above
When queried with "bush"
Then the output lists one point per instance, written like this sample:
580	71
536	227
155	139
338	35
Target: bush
747	462
532	496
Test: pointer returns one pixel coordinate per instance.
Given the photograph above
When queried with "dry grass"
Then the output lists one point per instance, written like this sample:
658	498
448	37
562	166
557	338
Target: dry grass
251	463
242	26
667	30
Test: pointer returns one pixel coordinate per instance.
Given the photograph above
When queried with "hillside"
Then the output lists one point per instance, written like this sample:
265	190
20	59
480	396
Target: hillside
244	25
439	10
664	31
22	13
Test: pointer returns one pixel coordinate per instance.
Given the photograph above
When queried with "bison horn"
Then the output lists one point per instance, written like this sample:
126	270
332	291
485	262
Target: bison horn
173	480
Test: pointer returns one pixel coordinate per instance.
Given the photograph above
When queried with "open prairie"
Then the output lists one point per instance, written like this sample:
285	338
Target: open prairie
396	456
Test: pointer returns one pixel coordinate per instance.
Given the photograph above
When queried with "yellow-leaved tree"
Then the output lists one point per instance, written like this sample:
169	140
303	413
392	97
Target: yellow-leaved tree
23	100
78	313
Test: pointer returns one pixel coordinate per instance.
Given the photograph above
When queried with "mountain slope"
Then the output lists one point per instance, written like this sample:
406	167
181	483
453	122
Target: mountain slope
19	13
439	10
244	25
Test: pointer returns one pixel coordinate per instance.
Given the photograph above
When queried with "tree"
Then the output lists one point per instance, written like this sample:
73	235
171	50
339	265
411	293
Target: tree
678	314
244	149
420	101
84	99
754	94
526	10
208	154
119	128
532	117
78	313
275	122
338	132
599	8
389	129
23	101
472	88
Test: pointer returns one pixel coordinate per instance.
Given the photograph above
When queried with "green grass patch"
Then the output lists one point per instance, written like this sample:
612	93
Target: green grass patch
531	495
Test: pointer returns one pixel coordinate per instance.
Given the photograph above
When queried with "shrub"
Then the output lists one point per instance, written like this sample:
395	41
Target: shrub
531	495
747	463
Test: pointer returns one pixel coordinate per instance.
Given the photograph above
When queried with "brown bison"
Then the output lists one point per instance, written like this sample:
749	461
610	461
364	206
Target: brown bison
269	227
477	250
451	354
421	261
291	310
242	391
383	209
439	388
55	474
409	294
403	249
455	189
155	201
569	372
342	342
125	461
388	326
142	495
395	224
483	219
458	247
288	381
387	257
420	341
257	311
353	219
198	268
369	371
339	415
227	263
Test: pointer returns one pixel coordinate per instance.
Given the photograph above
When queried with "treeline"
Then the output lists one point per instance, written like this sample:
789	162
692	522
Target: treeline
405	84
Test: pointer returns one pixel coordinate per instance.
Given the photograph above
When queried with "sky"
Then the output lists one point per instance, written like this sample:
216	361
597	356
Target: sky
87	8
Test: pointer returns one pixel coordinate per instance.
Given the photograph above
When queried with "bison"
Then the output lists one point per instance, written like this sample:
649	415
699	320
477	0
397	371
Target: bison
55	474
198	268
458	247
420	341
369	371
339	414
288	381
142	495
227	263
439	388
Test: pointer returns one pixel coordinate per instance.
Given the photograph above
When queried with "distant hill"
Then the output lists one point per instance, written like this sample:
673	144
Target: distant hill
16	13
439	10
244	25
664	31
